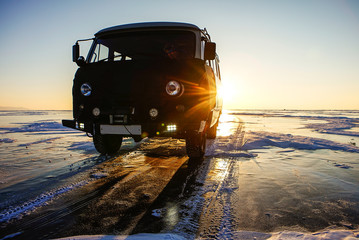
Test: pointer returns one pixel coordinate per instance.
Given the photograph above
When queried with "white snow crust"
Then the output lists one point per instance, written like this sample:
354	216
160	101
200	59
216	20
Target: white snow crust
45	127
335	124
286	235
17	211
7	140
261	139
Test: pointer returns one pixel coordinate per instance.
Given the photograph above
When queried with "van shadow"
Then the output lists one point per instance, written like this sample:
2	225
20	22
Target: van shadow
164	213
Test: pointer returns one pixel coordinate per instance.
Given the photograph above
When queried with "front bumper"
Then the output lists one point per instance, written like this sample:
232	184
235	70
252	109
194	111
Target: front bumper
164	129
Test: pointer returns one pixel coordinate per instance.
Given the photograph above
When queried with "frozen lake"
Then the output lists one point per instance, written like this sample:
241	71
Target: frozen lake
267	171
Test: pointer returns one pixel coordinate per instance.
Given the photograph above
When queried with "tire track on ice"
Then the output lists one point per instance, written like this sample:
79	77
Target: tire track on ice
216	220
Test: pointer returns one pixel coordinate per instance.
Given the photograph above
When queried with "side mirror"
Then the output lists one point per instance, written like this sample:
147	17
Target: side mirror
75	52
209	51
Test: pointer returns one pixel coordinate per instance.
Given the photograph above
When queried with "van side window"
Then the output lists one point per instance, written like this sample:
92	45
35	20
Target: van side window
202	49
217	70
101	53
117	56
215	67
208	63
211	64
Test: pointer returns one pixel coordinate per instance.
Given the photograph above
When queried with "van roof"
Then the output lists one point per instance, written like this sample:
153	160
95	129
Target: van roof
145	25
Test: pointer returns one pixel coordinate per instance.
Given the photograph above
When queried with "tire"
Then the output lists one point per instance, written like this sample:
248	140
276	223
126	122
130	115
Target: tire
196	144
107	144
212	132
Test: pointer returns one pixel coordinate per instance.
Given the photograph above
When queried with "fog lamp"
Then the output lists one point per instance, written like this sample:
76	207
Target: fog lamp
96	112
171	128
153	112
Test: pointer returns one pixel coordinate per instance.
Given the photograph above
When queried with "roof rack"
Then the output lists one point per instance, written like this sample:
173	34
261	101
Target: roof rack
206	34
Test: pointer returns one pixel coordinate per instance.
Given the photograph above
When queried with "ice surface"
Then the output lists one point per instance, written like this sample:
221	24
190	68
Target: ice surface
48	140
158	212
329	234
244	235
332	122
287	158
6	140
23	113
99	175
141	236
38	126
338	126
38	153
17	211
260	140
83	146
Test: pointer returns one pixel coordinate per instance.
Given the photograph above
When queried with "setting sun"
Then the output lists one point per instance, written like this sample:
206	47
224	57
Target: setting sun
228	93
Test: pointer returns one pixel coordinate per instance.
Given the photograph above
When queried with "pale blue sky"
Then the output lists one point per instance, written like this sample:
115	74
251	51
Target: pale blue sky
274	54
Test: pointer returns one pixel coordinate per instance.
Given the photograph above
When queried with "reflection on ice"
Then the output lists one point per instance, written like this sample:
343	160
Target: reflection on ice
227	123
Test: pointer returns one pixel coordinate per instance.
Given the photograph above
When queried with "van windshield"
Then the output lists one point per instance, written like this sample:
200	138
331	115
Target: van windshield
144	45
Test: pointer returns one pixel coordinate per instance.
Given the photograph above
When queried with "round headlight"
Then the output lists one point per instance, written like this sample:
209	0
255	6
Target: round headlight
153	112
86	89
96	112
174	88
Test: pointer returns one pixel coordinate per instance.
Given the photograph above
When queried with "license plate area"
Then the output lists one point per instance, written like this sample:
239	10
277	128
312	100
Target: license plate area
126	130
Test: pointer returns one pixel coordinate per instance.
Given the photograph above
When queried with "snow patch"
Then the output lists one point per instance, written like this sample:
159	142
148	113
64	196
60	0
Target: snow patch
82	146
43	199
22	113
39	126
232	154
334	124
338	126
342	166
261	140
330	234
7	140
49	140
99	175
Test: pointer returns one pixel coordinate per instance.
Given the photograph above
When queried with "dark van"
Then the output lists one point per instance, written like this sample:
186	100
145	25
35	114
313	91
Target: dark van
145	80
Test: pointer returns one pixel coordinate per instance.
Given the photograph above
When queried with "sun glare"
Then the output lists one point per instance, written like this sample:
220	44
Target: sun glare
227	93
227	124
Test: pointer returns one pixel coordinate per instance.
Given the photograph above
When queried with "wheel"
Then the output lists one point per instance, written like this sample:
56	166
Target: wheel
212	132
196	144
107	144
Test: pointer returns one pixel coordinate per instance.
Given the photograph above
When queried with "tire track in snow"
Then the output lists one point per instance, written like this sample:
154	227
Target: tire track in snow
216	220
207	213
